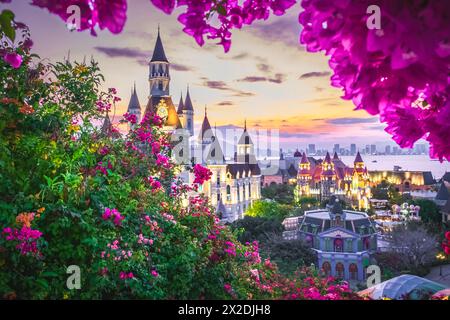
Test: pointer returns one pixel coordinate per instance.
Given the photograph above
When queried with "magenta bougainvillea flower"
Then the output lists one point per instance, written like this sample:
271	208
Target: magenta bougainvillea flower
13	59
399	71
201	173
106	14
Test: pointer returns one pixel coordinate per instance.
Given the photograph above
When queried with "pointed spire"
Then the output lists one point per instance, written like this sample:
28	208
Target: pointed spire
327	157
188	102
443	193
205	126
358	158
297	154
245	125
158	52
180	105
335	156
134	100
304	159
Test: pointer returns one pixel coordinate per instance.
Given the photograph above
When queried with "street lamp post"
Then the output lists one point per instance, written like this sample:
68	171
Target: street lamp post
440	257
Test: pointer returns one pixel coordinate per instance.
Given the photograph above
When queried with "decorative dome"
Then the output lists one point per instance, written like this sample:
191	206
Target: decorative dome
398	287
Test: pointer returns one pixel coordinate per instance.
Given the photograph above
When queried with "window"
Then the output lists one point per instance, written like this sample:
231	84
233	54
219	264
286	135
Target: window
338	245
228	193
339	270
250	190
218	180
326	268
238	194
218	196
353	270
160	85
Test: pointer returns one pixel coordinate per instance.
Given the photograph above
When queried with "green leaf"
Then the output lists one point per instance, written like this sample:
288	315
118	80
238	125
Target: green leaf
6	19
221	10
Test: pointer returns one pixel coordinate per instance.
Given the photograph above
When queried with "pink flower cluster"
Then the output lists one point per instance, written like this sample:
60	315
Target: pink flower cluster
114	214
26	237
252	254
103	169
103	107
144	240
153	225
446	243
399	71
169	217
230	248
131	118
231	14
163	160
126	275
201	173
154	184
104	14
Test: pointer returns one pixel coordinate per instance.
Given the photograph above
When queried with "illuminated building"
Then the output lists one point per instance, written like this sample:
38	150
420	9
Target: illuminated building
330	176
344	240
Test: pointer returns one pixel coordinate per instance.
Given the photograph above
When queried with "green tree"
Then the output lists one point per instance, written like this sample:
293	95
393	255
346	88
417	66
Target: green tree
429	211
269	209
281	193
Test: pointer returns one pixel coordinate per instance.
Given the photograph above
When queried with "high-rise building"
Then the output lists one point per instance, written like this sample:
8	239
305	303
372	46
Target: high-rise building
387	150
373	149
352	149
336	148
312	149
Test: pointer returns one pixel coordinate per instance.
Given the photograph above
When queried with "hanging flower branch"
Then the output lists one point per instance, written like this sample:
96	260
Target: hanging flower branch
398	70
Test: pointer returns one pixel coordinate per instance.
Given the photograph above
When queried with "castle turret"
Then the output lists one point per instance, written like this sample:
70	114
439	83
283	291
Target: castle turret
206	134
134	107
188	114
327	177
159	77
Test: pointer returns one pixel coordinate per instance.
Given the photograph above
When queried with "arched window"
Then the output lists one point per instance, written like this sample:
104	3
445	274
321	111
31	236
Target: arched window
338	245
250	190
160	85
238	193
243	192
353	270
228	193
326	268
218	180
339	270
218	196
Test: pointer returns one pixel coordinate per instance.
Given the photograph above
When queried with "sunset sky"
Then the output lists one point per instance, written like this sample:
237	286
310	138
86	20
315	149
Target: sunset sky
267	77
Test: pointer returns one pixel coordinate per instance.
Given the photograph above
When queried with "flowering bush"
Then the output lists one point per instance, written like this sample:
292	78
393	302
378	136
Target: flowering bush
108	203
446	243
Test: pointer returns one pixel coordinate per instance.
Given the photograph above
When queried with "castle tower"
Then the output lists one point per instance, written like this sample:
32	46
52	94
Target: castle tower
304	176
160	101
188	114
159	77
245	148
134	107
327	178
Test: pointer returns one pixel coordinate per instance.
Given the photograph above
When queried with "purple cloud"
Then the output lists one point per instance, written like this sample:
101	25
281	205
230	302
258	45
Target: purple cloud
315	74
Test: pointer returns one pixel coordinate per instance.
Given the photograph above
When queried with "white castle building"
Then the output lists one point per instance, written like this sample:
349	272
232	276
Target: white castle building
235	184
